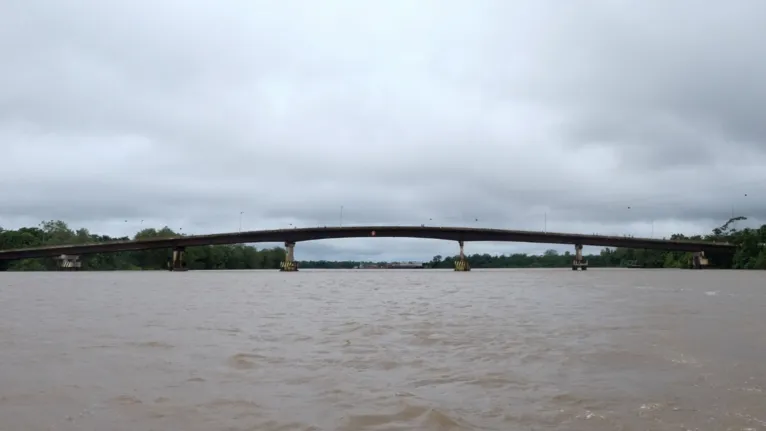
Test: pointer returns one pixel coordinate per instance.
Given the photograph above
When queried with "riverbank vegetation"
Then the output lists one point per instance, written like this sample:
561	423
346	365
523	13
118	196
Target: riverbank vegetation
750	254
206	257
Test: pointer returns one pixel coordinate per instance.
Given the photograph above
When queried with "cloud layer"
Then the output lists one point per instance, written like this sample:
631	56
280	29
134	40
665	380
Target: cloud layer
613	117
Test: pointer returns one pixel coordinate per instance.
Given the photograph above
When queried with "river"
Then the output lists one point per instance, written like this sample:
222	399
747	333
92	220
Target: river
605	349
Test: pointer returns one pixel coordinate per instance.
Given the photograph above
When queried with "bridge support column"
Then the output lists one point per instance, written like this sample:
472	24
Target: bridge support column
177	261
68	262
289	264
461	264
579	262
699	260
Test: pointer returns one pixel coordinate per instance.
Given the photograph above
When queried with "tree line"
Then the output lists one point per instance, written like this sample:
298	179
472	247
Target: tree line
750	253
57	232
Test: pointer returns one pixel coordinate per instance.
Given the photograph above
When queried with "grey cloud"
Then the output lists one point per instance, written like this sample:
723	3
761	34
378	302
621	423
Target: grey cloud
671	75
501	114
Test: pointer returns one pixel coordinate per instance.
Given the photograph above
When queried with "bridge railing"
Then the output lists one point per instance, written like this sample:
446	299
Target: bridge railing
320	233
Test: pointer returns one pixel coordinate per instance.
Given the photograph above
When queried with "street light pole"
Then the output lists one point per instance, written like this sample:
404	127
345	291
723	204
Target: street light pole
240	221
545	225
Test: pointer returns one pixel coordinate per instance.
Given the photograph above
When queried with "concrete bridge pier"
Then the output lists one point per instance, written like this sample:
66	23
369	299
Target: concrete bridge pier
461	264
579	262
68	262
699	260
177	262
289	264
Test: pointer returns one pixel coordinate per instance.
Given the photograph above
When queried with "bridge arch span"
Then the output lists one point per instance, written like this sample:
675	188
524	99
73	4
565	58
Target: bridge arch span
295	235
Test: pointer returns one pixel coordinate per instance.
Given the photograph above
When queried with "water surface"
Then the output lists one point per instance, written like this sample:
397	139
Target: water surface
383	350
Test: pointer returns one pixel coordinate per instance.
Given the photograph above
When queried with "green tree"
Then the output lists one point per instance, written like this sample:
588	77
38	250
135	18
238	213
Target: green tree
57	232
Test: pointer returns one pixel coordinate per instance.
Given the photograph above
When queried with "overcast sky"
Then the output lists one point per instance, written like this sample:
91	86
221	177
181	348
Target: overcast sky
615	116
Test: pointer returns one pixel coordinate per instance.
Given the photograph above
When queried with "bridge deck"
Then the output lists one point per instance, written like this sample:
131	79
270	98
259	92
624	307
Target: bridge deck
319	233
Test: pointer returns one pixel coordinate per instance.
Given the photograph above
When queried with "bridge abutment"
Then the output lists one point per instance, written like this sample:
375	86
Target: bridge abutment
177	261
461	264
68	262
578	262
289	264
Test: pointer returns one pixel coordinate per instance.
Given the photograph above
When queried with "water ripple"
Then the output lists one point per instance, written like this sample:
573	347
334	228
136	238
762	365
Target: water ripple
383	350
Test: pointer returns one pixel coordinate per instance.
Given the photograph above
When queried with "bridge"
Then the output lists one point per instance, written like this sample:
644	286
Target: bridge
70	253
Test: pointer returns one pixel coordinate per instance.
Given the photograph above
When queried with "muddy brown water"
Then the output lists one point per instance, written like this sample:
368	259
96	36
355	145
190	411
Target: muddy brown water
383	350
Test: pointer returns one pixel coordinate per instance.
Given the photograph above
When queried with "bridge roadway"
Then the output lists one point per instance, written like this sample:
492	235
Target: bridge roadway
318	233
